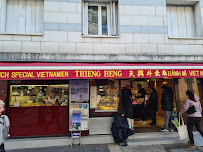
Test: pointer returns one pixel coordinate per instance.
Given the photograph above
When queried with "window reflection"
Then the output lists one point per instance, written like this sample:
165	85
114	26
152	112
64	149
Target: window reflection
93	20
104	21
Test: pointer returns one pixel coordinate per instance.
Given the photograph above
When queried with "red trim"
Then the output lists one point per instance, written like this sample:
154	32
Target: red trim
7	64
99	74
23	71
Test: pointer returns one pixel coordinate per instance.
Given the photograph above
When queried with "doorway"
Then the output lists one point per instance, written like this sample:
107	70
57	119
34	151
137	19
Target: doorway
147	84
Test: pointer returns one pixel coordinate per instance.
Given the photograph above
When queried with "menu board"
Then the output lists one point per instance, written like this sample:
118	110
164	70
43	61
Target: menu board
83	109
79	90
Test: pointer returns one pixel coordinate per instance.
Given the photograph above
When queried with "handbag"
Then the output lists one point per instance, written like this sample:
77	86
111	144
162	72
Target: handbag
191	110
182	129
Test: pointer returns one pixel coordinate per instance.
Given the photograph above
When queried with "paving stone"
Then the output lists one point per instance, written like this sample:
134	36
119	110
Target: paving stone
153	148
183	150
76	148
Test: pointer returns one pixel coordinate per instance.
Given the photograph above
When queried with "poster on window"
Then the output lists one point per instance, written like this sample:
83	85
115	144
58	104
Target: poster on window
79	90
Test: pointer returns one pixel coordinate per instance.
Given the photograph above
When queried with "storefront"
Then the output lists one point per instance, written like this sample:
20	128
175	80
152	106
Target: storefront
40	97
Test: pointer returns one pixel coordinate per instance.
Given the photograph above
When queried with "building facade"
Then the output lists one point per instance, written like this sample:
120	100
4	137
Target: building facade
109	44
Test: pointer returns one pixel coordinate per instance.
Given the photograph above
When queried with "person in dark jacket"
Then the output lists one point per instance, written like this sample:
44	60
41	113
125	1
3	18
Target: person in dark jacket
128	107
167	106
120	130
141	107
153	105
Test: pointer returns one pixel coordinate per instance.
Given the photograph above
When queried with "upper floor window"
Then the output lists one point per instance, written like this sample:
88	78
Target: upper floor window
100	19
22	17
184	21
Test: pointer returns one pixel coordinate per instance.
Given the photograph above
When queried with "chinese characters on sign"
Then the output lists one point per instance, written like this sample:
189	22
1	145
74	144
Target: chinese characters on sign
100	74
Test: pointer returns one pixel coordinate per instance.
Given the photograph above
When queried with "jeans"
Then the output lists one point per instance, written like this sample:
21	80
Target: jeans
167	120
153	114
142	112
191	122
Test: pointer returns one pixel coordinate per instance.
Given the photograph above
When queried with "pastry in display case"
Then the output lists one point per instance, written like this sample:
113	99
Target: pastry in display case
109	99
38	95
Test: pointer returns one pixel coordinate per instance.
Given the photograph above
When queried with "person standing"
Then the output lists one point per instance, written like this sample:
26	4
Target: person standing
4	127
194	119
167	106
153	105
128	107
141	106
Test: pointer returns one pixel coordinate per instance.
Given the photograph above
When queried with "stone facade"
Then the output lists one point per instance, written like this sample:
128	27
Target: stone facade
143	37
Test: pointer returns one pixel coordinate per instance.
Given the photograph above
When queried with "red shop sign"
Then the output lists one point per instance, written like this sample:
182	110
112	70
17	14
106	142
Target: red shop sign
99	74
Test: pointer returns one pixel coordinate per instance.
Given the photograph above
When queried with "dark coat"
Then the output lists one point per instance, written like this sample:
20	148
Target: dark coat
120	130
153	101
167	99
127	104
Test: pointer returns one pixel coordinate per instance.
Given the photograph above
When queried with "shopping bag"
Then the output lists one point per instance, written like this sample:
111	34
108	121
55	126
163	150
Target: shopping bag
182	129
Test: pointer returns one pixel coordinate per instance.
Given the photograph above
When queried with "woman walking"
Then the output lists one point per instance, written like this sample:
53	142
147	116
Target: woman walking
194	119
4	127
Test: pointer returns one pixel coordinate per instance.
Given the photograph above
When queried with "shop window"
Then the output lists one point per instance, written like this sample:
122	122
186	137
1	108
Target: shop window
184	21
38	95
104	95
22	17
100	19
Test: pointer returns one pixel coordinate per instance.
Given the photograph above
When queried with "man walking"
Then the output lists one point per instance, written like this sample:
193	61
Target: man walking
167	106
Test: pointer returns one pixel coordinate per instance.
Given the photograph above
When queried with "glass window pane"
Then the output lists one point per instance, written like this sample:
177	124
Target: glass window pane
92	20
39	95
104	21
104	95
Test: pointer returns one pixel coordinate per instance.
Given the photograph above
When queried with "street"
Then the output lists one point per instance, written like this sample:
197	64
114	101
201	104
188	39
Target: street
114	148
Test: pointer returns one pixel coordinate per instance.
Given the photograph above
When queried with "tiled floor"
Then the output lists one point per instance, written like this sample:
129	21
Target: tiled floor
147	128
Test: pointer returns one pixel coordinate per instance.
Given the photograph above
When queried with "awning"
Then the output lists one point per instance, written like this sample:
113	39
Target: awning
23	71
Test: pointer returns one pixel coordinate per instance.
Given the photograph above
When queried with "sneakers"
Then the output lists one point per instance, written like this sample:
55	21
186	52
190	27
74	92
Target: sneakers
124	143
189	145
132	128
144	122
164	130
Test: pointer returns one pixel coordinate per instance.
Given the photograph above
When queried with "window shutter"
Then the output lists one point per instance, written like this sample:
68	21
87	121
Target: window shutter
181	21
3	16
113	18
24	17
85	19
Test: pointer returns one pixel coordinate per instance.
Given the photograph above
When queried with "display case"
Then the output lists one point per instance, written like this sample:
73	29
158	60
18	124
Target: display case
104	95
38	95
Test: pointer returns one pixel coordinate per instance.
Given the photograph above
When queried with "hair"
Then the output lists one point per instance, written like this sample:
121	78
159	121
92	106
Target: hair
2	103
53	91
139	85
190	95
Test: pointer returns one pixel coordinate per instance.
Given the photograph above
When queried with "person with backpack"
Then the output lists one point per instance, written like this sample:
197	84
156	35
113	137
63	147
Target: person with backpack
193	107
4	127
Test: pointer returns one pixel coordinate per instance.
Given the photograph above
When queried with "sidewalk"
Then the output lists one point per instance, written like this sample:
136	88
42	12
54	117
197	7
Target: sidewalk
101	141
114	148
